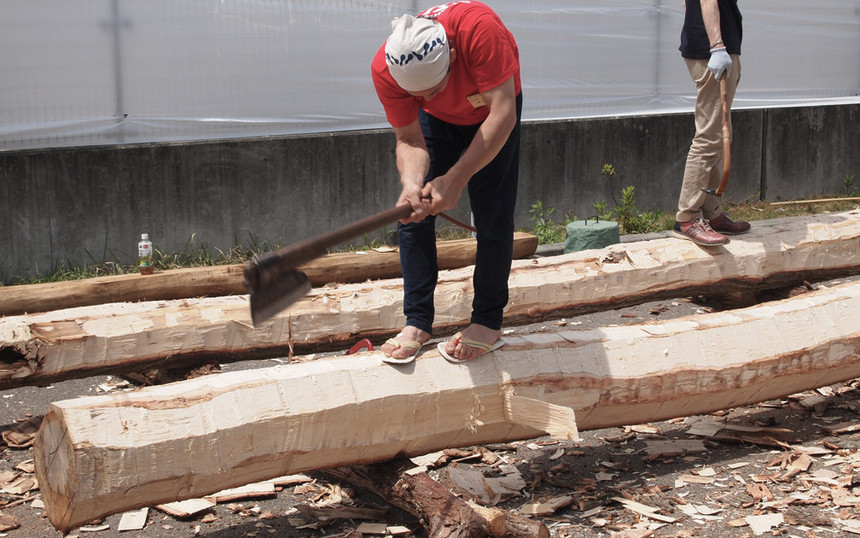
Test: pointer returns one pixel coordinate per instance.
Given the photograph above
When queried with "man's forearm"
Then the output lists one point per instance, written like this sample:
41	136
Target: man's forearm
711	18
412	163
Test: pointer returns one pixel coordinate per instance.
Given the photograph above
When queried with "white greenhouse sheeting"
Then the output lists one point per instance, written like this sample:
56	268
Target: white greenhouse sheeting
88	72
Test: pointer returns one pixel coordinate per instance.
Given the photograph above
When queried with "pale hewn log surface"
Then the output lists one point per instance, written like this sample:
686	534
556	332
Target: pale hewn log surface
104	454
120	337
342	267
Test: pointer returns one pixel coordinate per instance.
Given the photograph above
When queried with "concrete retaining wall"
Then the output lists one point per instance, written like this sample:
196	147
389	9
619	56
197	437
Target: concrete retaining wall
89	205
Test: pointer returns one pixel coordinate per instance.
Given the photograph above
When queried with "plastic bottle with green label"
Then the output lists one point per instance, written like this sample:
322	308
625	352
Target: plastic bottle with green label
144	252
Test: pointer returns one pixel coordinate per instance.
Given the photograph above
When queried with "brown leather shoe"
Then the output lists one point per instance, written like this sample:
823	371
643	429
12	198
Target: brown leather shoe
699	231
727	226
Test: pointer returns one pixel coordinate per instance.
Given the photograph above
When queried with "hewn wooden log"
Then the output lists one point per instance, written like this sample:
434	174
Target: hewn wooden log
441	512
104	454
341	267
122	337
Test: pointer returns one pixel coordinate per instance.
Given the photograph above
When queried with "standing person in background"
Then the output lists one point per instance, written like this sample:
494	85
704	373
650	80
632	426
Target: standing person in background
449	81
711	46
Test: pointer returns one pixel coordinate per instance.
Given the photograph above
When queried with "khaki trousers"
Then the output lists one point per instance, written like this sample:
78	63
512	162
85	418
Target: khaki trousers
704	166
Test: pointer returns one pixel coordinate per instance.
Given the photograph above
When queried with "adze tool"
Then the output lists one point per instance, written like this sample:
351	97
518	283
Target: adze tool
273	279
727	141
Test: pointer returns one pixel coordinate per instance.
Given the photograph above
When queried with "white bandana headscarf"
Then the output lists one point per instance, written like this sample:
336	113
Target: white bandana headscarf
417	53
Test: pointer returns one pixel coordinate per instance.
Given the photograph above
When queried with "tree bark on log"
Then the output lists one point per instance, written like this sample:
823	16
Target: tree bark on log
442	513
341	267
121	337
104	454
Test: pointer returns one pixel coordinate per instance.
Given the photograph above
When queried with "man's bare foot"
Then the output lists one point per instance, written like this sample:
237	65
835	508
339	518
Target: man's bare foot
460	350
406	343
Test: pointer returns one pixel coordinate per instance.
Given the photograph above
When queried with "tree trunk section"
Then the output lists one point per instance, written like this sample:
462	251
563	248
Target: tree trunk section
105	454
441	512
341	267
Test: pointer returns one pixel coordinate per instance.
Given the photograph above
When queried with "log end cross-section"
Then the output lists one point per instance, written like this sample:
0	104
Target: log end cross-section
56	460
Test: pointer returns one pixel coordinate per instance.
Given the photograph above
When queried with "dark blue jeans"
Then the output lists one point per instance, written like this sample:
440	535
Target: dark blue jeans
492	196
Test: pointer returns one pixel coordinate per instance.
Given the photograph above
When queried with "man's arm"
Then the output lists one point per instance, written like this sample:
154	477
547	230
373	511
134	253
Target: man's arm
720	61
413	162
444	191
711	18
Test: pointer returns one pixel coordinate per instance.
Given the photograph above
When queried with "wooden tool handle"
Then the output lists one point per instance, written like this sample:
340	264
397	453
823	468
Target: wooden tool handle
313	248
727	141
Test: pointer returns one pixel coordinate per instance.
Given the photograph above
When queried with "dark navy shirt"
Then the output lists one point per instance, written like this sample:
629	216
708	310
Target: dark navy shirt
695	44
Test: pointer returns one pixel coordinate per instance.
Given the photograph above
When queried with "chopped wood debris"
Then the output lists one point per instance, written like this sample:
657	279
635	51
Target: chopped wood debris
111	385
693	479
843	427
186	508
7	523
249	491
290	480
548	506
20	485
23	434
764	523
7	478
329	513
134	520
700	511
95	528
850	525
558	453
645	510
26	466
428	461
508	484
645	428
373	528
759	492
472	481
758	435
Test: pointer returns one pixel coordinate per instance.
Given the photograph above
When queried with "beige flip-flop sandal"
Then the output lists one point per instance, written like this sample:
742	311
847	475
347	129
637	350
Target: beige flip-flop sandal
409	344
487	348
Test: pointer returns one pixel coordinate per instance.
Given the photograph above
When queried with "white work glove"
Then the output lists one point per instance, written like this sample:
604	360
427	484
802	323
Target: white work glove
720	61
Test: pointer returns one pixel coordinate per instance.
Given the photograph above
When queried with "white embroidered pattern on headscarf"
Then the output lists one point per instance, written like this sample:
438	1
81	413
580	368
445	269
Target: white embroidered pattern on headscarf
417	53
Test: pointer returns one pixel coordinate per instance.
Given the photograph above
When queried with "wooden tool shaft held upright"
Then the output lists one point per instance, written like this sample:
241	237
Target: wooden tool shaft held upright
727	137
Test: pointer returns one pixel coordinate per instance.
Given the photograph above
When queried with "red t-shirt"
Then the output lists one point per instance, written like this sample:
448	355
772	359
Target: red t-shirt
487	56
